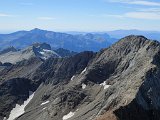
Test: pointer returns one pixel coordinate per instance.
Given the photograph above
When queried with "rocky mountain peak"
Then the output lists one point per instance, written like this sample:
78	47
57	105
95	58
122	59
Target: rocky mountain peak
37	30
120	82
129	44
9	49
40	50
133	39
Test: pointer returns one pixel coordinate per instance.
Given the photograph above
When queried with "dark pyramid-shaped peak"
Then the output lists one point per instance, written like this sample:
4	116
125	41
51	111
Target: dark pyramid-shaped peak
131	43
133	39
37	30
42	46
9	49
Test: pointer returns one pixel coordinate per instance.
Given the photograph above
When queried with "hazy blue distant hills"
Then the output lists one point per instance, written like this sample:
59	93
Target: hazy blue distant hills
122	33
73	41
118	34
80	42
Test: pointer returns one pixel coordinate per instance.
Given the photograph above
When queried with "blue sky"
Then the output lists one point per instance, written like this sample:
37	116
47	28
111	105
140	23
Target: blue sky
79	15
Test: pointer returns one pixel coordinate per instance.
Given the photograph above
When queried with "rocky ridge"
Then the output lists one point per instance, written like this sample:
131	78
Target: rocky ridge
118	83
41	50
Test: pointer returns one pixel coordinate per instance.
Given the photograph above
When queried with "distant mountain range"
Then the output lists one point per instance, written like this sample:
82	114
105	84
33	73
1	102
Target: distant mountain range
72	41
118	34
155	35
87	42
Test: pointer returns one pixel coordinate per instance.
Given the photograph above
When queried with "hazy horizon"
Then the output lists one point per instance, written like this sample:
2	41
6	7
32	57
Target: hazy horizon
70	31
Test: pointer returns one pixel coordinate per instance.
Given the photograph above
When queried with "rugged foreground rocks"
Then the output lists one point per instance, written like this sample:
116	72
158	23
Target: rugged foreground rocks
121	82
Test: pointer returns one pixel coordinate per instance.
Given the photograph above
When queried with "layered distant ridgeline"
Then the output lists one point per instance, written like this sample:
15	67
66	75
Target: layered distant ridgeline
121	82
154	35
78	43
73	41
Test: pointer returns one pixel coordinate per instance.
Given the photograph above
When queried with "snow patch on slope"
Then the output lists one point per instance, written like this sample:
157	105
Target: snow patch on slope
69	115
42	53
45	103
105	85
84	86
72	77
44	108
4	118
19	109
84	71
45	50
45	54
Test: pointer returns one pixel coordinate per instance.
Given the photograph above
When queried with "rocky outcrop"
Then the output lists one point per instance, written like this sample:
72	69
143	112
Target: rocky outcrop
133	94
65	53
56	70
15	84
12	92
50	72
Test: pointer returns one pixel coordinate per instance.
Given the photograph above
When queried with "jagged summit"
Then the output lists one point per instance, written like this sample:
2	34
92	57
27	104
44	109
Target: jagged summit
41	50
132	39
37	30
9	49
42	46
131	43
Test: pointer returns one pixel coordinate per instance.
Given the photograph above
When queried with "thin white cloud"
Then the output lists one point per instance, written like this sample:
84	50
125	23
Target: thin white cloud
107	15
46	18
138	15
26	3
143	15
5	15
112	15
136	2
150	10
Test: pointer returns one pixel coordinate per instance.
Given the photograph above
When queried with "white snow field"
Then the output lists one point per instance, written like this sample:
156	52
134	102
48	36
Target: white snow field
84	86
19	109
45	103
105	86
69	115
4	118
84	71
72	78
44	108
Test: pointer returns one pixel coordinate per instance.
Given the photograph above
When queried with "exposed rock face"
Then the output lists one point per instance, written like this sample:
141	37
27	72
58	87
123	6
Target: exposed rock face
57	70
15	84
35	73
42	46
13	91
133	96
121	83
65	53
